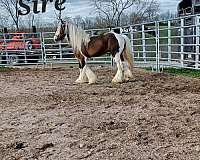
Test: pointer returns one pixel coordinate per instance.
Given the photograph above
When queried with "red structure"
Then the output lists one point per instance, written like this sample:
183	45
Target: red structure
19	47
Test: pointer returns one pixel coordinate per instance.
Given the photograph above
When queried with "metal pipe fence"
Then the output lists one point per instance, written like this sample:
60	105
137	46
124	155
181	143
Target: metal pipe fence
23	48
158	44
172	43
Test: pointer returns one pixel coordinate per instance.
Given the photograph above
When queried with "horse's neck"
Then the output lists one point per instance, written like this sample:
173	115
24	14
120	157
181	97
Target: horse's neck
78	37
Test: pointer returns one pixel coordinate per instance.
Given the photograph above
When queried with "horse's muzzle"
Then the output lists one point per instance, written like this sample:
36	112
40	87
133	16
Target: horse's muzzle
55	38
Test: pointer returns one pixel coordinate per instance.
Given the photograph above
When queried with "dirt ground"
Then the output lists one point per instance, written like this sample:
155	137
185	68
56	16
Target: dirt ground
45	116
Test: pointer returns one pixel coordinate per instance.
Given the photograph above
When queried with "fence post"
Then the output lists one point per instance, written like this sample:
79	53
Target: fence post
60	49
157	47
143	44
111	57
43	48
182	42
25	53
197	25
92	33
131	39
4	45
169	49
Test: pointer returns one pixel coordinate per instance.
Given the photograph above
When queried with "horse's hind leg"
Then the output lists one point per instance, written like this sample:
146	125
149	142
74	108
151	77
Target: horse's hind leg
119	75
128	59
127	72
124	72
126	68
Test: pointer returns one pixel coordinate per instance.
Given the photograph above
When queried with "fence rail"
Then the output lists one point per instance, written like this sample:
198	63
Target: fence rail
156	44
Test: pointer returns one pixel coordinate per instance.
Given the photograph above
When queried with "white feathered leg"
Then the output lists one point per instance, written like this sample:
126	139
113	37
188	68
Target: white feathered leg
127	72
82	76
90	75
119	75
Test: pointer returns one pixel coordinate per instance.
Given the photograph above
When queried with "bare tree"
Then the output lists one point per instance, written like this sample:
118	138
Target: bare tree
112	11
89	24
167	15
144	10
4	20
11	7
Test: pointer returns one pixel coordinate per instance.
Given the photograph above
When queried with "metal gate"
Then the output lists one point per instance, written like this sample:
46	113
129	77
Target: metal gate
172	43
40	48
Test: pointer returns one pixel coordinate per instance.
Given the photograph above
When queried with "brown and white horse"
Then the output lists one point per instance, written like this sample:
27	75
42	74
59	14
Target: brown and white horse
84	47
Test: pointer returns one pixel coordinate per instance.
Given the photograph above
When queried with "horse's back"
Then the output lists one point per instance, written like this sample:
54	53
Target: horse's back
102	44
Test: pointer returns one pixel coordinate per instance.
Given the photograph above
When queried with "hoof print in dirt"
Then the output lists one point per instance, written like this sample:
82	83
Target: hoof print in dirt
112	125
45	146
20	145
17	145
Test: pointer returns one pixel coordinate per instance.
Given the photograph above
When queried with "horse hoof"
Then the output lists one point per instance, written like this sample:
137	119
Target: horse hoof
91	82
79	81
127	79
116	81
128	76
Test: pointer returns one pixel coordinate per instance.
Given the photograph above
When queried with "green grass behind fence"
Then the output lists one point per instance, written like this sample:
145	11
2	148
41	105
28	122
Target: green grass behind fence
183	71
180	71
5	69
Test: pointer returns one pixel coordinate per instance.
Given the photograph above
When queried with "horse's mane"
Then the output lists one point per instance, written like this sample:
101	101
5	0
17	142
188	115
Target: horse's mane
77	36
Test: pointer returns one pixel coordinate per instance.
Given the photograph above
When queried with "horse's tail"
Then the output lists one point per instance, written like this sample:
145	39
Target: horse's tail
127	54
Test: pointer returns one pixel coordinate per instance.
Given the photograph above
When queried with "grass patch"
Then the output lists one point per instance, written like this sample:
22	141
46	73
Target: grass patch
183	71
180	71
5	69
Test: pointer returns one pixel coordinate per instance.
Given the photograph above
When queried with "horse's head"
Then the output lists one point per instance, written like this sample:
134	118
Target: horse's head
61	31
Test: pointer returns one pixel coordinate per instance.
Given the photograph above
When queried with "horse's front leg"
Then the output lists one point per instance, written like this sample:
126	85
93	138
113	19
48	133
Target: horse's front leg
86	74
82	74
90	75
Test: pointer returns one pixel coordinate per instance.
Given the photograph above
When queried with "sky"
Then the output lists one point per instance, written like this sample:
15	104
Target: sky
85	8
170	5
